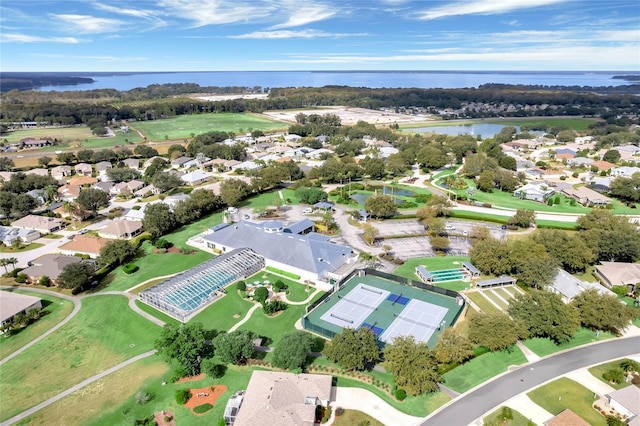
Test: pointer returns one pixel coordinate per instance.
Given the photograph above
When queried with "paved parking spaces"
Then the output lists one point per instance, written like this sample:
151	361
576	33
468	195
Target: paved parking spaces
462	226
399	227
406	248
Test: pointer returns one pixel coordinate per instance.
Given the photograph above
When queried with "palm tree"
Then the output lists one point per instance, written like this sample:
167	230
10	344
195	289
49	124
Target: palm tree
4	262
71	209
52	192
368	258
12	261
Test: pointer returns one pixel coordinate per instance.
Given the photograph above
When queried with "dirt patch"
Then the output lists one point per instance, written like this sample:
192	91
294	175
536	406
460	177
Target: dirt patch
169	250
159	418
236	315
208	395
191	378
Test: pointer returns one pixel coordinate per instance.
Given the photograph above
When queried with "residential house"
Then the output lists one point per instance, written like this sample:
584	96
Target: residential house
35	143
196	177
12	304
568	286
564	156
5	176
146	191
566	418
126	189
587	196
217	164
318	153
104	186
624	171
150	160
133	214
626	402
121	229
84	245
601	184
180	162
83	169
9	235
632	149
50	265
535	191
580	162
60	172
40	195
68	192
580	140
132	163
38	172
614	274
247	165
42	224
292	138
173	200
103	166
602	166
283	399
85	181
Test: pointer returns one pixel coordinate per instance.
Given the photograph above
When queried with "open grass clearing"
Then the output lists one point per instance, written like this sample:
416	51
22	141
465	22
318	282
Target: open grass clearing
102	395
482	302
494	419
225	312
493	296
503	293
544	347
21	248
599	370
62	134
482	368
275	327
419	406
354	417
296	292
91	342
150	284
156	313
124	410
58	310
565	393
184	126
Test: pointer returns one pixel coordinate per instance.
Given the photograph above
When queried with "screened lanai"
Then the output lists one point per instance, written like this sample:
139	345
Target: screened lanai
183	295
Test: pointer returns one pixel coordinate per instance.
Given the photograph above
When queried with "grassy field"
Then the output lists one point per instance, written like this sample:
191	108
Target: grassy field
435	263
225	312
124	411
79	136
184	126
518	419
599	370
544	347
482	302
156	313
296	292
572	123
273	328
101	396
354	417
91	342
482	368
31	246
58	310
565	393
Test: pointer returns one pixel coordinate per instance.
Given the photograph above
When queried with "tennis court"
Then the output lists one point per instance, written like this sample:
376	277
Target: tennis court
418	319
385	304
353	308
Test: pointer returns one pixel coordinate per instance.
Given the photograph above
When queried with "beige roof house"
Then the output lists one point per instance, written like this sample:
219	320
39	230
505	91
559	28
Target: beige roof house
39	172
68	192
587	196
83	169
82	180
84	244
619	273
626	401
121	229
40	223
50	265
132	163
61	172
12	304
279	398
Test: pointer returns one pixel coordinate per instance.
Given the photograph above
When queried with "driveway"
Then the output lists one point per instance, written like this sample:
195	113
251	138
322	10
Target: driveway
367	402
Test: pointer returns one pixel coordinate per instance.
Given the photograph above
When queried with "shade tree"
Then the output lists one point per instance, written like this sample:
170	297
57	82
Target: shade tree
352	349
413	365
291	352
599	311
495	330
184	344
235	347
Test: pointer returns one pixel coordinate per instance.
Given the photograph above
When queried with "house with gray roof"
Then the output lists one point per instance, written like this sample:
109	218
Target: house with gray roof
624	171
312	258
580	162
132	163
49	265
43	224
196	177
568	286
283	399
12	304
535	191
61	172
626	402
9	235
83	169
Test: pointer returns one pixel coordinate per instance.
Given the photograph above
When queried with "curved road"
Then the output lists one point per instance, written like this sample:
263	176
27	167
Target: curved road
465	409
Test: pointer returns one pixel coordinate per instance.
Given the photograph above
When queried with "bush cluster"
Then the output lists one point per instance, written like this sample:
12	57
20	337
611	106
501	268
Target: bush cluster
182	396
273	307
400	394
129	268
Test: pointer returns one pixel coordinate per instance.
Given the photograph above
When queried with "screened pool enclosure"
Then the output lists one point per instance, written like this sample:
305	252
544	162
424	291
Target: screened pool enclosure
187	293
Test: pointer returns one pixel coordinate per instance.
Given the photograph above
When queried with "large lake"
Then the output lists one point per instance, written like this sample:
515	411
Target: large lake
486	130
372	79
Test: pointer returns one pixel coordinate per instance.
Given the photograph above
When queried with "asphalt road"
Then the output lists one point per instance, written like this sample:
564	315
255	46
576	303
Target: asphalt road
468	407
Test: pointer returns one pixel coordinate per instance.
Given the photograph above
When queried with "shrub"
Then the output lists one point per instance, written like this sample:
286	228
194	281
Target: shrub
400	394
339	411
147	421
182	396
129	268
273	307
550	202
213	370
241	286
142	398
327	414
136	207
614	375
202	408
163	243
21	278
167	419
260	294
45	281
279	285
620	290
222	422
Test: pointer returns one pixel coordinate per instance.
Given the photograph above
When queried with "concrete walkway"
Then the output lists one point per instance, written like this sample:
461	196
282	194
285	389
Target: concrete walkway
135	308
246	318
528	353
365	401
590	382
72	389
525	406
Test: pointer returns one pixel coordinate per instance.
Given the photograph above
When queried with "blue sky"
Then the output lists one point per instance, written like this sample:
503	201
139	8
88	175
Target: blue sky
224	35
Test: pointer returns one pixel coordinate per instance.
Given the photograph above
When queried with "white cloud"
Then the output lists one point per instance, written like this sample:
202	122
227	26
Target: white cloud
214	12
483	7
305	13
136	13
283	34
88	24
24	38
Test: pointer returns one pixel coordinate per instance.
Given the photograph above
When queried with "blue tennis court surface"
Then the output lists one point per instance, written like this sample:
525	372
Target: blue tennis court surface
396	298
376	330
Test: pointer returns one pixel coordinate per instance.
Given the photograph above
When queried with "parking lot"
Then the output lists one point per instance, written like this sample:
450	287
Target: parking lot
399	227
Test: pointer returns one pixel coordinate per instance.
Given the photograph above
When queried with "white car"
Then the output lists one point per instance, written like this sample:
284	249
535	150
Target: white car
307	210
449	227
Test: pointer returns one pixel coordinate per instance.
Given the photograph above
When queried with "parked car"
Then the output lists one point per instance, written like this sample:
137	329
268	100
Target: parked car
449	227
307	210
246	217
83	231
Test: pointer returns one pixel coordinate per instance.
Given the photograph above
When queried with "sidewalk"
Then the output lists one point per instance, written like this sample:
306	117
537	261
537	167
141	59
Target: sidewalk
367	402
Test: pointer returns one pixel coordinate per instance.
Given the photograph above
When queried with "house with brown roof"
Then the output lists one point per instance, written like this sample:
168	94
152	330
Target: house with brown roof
283	399
602	165
82	181
68	192
586	196
60	172
619	273
121	229
626	402
83	169
12	304
126	188
566	418
49	265
84	244
42	224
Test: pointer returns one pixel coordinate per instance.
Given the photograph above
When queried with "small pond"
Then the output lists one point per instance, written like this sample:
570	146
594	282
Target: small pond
361	197
486	130
389	190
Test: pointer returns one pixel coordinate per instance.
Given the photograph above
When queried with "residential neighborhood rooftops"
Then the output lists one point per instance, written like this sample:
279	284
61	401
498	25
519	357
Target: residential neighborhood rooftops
569	286
566	418
85	244
50	265
39	223
12	303
619	273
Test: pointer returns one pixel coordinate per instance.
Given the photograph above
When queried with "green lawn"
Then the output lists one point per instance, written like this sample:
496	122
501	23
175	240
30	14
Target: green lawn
496	300
62	134
153	265
419	406
32	246
120	139
296	292
184	126
354	417
482	368
124	410
518	419
273	328
544	347
599	370
565	393
57	309
446	172
156	313
103	395
91	342
225	311
482	302
436	263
